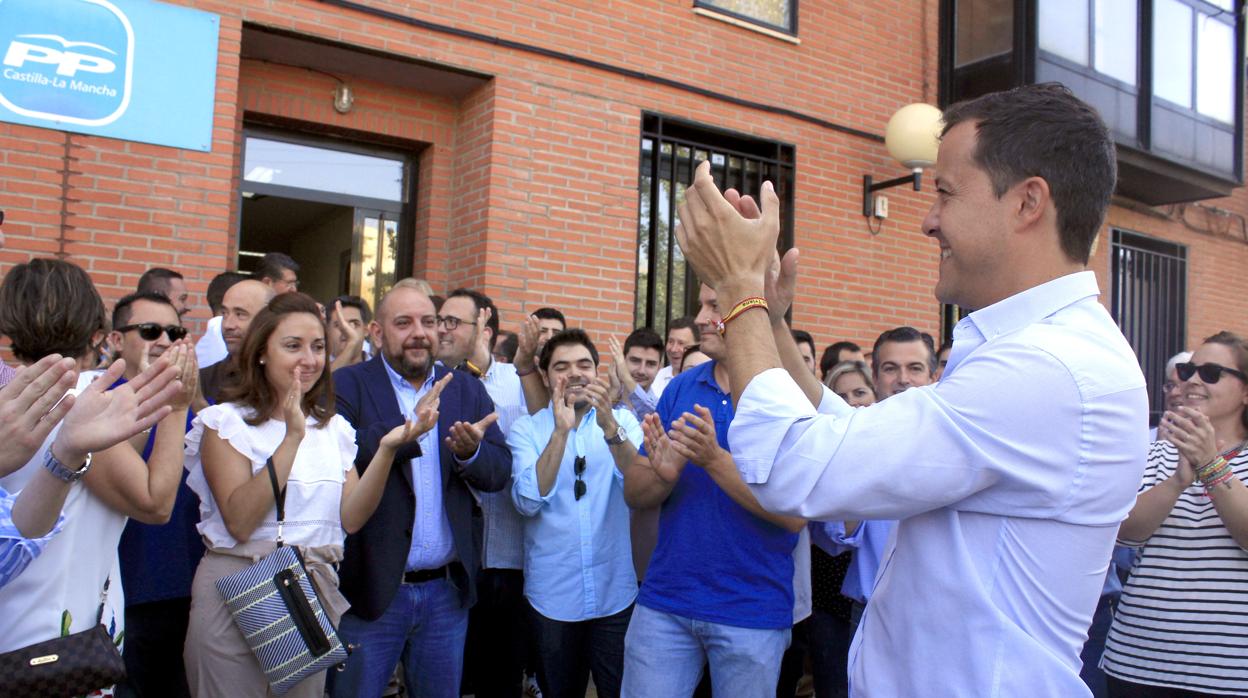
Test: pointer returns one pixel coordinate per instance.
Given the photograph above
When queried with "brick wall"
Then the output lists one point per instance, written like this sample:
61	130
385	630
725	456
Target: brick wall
526	187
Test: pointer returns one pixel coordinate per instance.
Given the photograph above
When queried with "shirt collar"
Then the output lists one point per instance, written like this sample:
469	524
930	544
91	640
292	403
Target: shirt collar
1031	306
401	383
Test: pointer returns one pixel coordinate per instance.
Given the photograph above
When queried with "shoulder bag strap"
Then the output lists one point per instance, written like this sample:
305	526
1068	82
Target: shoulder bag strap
279	497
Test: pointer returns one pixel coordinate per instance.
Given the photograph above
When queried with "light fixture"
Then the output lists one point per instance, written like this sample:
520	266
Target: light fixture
912	138
344	98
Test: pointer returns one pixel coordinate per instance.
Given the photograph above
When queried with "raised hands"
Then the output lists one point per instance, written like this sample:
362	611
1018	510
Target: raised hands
100	418
481	352
693	437
182	357
29	408
619	369
292	409
428	404
600	397
565	414
1192	433
666	463
722	245
526	347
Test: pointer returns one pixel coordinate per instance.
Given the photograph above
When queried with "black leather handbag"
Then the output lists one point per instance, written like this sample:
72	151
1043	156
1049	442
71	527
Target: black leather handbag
68	666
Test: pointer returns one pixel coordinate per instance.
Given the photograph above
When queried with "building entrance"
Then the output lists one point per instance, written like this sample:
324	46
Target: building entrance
337	210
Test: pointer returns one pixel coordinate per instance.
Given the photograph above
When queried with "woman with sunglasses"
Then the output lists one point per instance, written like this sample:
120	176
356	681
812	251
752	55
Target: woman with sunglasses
281	409
1180	625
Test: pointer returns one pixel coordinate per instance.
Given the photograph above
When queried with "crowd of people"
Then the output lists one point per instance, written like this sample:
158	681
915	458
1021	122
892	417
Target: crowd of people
718	510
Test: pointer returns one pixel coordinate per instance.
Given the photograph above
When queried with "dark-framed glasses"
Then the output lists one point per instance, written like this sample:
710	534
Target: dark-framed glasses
150	331
578	466
1209	373
451	322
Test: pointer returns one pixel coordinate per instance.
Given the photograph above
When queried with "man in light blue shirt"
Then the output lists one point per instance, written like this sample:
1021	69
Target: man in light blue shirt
1010	477
568	464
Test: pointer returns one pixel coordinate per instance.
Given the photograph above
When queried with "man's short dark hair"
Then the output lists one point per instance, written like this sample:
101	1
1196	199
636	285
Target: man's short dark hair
49	306
218	286
1045	131
272	265
803	337
507	344
645	338
156	280
124	309
479	301
685	323
900	335
832	355
550	314
366	313
573	336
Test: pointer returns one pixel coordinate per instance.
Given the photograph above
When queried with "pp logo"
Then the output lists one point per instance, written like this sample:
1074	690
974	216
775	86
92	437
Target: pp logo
67	61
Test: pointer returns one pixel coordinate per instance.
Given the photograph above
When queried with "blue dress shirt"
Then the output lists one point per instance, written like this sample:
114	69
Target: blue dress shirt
1009	479
16	550
503	544
869	543
432	545
578	558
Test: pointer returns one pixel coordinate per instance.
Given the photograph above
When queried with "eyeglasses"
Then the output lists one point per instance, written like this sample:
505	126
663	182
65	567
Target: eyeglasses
579	488
150	331
452	323
1209	373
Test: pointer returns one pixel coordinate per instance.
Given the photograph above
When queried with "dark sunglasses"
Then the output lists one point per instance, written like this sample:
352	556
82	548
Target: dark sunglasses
1209	373
150	331
579	488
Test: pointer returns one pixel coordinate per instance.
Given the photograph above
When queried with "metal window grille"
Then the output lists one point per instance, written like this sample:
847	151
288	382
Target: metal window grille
670	151
1149	304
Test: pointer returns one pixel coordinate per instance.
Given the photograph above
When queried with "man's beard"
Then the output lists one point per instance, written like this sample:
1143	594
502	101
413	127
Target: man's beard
408	369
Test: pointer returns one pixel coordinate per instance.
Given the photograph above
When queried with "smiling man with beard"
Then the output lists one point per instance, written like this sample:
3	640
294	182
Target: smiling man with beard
410	572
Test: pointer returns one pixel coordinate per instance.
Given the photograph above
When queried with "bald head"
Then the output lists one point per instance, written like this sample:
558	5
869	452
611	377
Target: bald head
241	303
406	331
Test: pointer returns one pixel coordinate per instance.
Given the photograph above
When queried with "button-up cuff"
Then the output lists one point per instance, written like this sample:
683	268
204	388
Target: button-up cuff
768	404
470	459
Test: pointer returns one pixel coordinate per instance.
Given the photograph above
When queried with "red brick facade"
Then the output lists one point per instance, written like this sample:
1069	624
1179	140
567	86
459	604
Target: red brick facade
527	186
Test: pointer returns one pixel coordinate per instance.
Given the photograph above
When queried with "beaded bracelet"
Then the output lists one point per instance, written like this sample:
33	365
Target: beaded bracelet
1223	479
1213	467
737	310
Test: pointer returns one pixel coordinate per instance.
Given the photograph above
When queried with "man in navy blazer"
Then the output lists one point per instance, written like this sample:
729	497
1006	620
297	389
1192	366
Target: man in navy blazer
410	573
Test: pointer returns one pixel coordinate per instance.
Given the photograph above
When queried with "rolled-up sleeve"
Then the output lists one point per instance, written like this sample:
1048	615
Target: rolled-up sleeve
16	550
971	439
525	451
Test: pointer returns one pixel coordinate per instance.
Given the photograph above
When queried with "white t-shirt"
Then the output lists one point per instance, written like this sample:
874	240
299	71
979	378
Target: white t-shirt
661	379
313	490
69	575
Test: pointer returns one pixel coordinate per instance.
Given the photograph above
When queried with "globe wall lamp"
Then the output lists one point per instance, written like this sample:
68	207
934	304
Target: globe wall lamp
912	138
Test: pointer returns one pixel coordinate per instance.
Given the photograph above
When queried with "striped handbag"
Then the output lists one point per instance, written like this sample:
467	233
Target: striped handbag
277	610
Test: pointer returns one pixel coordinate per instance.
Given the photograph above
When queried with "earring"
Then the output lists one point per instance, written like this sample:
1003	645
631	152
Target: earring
261	362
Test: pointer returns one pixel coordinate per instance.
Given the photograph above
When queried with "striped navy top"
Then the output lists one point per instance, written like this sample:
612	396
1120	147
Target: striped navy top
1183	617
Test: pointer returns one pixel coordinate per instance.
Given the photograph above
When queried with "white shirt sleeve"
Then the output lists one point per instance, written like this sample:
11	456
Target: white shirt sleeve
971	440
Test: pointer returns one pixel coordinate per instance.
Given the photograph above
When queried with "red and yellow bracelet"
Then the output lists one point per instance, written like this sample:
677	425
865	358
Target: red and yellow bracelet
738	309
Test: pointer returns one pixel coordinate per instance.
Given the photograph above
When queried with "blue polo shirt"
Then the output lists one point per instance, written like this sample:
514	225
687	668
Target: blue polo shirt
715	561
158	562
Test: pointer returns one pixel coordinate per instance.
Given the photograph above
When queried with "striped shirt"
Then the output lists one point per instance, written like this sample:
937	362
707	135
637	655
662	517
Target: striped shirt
1182	621
16	550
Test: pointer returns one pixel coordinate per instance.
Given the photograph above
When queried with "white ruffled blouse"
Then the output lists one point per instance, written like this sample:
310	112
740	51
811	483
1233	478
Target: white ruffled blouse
313	491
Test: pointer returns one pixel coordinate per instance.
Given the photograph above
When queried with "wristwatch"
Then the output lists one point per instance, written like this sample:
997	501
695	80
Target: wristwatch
61	471
619	438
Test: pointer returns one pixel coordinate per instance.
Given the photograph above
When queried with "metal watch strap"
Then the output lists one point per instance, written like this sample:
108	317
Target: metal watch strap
619	438
63	472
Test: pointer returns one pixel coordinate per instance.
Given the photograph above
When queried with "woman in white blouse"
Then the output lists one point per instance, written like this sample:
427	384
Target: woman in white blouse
280	408
1179	627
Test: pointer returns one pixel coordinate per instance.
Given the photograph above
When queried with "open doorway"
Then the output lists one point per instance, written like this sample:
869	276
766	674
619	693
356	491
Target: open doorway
335	209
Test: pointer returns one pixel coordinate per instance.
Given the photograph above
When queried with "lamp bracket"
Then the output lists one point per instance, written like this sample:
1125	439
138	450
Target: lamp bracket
870	186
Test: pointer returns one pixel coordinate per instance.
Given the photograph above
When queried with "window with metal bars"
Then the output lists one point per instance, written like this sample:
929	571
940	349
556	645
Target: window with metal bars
670	151
1149	303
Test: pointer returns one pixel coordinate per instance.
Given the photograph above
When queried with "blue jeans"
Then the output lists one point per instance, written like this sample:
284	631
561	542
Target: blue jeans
1095	646
425	627
664	654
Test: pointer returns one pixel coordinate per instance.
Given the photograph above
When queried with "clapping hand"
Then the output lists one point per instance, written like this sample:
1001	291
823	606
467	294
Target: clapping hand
466	436
565	414
722	245
619	369
693	437
292	409
29	408
666	463
526	344
100	418
1192	433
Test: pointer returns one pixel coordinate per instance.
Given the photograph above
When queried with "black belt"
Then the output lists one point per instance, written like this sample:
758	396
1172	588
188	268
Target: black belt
419	576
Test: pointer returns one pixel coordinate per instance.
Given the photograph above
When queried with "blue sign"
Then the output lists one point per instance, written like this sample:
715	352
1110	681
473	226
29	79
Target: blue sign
130	69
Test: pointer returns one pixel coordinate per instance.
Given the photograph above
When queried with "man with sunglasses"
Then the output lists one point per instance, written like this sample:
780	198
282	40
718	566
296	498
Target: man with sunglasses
568	465
158	560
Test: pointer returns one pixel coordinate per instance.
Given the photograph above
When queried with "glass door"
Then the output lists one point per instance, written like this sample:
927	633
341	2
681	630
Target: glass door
374	254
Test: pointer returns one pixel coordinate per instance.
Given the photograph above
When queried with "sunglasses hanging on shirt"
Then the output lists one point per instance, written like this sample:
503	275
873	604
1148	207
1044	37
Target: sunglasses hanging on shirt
579	488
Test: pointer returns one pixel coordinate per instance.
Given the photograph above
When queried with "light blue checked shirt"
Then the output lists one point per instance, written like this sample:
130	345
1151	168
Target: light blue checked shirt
578	559
503	546
1009	479
16	550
